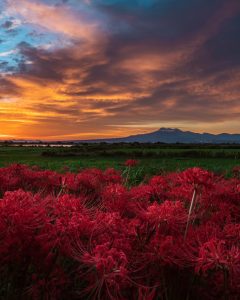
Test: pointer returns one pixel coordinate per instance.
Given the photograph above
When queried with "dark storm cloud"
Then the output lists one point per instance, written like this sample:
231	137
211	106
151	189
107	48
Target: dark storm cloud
45	65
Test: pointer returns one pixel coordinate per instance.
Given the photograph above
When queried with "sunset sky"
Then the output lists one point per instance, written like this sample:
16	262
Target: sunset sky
73	69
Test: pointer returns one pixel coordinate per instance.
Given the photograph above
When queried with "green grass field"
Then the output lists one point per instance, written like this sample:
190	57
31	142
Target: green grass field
153	159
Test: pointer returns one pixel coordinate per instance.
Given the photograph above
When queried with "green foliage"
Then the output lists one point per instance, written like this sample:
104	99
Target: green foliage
153	158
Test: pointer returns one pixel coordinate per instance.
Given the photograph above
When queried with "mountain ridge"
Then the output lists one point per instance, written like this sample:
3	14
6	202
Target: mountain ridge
174	135
162	135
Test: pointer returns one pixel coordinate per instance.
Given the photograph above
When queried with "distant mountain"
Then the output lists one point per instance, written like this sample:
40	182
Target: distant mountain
163	135
173	135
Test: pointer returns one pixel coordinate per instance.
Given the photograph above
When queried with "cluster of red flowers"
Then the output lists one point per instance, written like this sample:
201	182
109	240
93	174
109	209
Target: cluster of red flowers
87	236
130	162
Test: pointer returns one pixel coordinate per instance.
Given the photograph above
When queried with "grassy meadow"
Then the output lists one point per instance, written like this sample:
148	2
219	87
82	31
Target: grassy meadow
153	158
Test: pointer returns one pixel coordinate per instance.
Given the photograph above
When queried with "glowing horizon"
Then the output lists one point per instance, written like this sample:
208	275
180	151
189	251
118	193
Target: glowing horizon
112	68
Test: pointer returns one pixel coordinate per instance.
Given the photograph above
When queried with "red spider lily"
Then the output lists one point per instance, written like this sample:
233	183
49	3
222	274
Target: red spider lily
21	215
87	235
170	217
212	256
115	198
197	177
160	187
236	172
113	176
131	163
105	271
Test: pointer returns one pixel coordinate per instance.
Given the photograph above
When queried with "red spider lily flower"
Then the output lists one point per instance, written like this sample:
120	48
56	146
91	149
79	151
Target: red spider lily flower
169	216
113	176
196	177
115	198
21	215
142	195
131	163
212	256
236	172
160	187
107	271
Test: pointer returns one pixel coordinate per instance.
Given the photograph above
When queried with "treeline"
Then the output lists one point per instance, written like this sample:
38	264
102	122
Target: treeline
158	145
106	146
142	153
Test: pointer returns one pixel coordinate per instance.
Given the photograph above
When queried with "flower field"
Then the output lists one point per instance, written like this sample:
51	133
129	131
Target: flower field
91	235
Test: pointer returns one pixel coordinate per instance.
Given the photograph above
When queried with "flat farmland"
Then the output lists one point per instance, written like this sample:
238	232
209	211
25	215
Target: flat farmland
153	158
